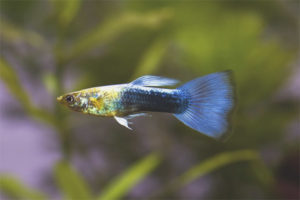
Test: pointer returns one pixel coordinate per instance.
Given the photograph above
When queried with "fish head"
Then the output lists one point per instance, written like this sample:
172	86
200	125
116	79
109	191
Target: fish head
74	101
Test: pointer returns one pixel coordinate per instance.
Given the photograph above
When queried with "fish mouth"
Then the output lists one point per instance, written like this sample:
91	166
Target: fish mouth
59	99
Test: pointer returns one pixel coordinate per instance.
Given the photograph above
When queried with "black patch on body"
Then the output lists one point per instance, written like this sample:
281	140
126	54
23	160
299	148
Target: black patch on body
137	98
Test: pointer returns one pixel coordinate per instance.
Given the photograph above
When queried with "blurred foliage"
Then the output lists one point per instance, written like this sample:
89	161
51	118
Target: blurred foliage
150	60
9	77
74	187
10	33
14	189
107	31
122	185
215	162
70	182
65	11
95	43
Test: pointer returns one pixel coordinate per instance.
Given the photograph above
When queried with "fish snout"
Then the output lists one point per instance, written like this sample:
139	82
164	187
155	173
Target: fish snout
59	99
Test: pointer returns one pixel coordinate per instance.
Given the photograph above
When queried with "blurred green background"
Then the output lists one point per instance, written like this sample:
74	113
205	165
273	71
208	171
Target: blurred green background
55	46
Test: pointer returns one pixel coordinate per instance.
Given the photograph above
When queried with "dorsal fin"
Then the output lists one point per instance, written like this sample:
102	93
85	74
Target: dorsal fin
149	80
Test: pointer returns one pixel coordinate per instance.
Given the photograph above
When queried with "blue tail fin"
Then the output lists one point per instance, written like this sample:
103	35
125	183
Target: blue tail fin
211	99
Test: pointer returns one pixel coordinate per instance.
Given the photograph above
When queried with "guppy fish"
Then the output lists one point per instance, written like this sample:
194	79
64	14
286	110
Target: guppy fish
202	104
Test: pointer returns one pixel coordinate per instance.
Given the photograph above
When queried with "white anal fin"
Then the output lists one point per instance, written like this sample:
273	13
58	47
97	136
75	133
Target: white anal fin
154	81
123	122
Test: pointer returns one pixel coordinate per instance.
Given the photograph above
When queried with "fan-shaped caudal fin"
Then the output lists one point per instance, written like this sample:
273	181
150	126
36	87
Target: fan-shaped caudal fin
211	100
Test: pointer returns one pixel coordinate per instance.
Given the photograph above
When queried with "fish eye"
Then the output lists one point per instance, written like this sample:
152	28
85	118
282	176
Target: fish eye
69	98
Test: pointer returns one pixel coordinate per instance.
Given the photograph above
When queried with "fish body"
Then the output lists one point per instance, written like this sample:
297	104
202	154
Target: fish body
123	100
202	104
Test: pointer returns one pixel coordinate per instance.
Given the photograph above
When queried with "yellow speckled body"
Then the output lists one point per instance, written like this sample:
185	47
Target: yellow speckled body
102	101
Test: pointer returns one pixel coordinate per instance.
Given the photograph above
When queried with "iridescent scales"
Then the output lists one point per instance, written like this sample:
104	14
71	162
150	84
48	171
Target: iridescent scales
102	101
202	104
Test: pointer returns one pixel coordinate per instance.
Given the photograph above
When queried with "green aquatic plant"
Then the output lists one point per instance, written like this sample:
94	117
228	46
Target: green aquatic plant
73	186
106	43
